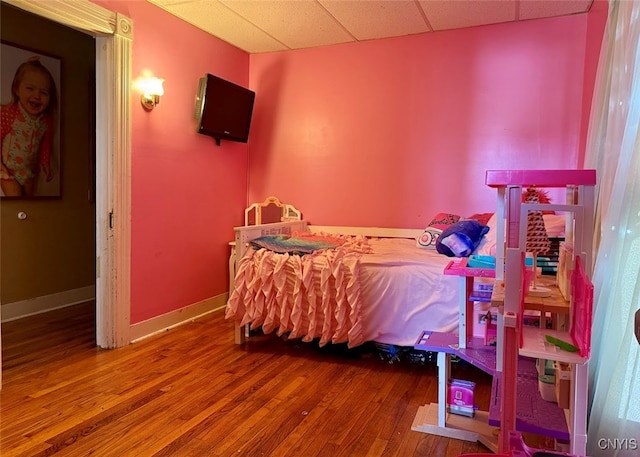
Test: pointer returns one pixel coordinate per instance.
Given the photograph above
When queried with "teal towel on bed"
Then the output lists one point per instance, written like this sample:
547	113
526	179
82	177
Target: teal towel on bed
292	245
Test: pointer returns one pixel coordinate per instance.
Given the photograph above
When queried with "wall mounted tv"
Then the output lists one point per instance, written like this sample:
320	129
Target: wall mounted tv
223	109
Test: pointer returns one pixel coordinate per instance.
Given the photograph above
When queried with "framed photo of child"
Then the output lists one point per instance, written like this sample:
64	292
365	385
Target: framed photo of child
30	123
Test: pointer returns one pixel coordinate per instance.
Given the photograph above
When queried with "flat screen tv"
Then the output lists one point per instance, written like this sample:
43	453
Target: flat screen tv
223	109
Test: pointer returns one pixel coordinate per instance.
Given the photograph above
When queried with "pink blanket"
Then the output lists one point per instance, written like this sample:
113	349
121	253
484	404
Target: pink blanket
311	296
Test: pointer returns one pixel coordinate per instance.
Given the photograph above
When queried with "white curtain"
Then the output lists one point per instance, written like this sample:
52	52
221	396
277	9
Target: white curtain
613	149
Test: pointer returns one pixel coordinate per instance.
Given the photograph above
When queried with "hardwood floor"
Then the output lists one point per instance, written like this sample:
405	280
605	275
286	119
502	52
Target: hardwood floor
191	392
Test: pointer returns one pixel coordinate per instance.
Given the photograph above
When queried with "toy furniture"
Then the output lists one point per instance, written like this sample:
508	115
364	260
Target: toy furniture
271	210
516	401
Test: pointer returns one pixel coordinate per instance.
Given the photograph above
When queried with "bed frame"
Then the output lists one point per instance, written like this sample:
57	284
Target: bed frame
243	235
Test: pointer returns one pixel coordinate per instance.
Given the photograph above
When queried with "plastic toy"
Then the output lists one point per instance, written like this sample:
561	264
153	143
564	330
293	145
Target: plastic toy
520	449
512	361
461	397
513	339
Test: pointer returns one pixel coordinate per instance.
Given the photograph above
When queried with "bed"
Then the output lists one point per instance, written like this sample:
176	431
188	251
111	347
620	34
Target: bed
378	288
375	285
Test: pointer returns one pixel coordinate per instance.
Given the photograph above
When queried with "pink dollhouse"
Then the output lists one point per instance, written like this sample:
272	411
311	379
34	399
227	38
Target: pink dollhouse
517	401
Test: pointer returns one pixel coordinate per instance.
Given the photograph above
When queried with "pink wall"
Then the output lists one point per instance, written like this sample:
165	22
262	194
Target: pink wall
390	132
187	193
399	128
597	20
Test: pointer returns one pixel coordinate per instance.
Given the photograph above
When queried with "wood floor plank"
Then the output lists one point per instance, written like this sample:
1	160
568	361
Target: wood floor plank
191	391
287	417
284	417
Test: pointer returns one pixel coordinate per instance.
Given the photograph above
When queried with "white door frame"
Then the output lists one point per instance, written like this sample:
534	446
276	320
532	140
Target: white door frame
114	42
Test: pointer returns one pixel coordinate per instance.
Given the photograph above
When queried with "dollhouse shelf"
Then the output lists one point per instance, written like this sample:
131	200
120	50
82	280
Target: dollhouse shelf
535	345
476	353
460	268
554	303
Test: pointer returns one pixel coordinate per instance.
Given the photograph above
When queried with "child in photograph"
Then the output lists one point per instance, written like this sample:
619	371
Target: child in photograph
27	125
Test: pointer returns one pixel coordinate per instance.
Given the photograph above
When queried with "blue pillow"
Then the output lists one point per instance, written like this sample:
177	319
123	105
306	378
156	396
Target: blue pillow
461	238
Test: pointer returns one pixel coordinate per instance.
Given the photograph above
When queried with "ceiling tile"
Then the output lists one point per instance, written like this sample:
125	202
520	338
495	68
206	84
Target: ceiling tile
297	24
454	14
533	9
218	20
367	20
257	26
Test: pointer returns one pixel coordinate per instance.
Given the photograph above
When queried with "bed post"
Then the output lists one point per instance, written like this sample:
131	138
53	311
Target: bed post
239	333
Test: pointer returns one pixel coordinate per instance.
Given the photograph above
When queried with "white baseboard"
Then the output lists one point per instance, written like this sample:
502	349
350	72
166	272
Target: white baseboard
38	305
155	325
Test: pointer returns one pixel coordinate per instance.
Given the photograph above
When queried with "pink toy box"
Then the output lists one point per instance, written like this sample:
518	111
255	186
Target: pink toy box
461	397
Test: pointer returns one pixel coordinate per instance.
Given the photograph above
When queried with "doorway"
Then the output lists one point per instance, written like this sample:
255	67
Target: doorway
48	242
113	34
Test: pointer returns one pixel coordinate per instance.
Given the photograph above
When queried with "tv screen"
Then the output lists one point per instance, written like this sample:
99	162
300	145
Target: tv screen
223	109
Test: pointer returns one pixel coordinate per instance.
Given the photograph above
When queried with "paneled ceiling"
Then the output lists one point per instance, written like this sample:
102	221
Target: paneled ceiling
257	26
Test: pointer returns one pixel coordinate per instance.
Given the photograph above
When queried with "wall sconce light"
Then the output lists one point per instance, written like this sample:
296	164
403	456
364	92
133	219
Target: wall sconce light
151	89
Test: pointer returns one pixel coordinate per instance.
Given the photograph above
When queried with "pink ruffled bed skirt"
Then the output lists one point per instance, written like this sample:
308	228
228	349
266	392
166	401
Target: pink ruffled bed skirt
308	297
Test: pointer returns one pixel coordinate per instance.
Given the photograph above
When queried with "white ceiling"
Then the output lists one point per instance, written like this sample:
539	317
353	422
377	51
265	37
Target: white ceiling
257	26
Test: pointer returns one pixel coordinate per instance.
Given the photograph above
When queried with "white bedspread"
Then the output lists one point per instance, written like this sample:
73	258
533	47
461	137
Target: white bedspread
405	292
345	295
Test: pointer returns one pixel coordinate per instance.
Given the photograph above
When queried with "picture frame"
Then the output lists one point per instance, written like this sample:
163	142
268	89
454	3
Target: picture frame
31	153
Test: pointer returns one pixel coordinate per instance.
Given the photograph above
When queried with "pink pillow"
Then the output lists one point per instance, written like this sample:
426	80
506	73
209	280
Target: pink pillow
483	218
440	222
